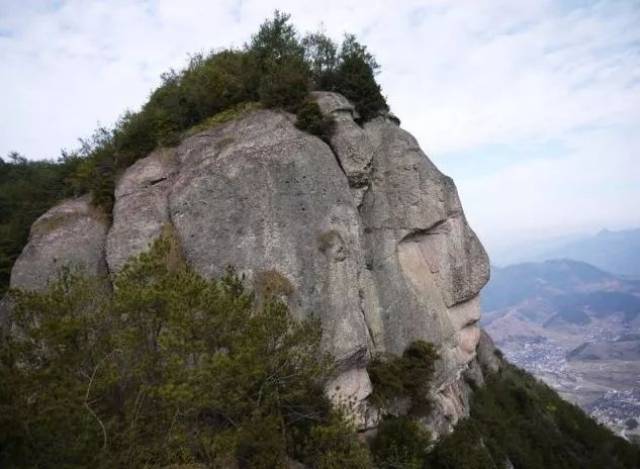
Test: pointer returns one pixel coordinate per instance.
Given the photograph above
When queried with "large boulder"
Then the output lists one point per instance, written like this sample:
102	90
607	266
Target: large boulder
70	235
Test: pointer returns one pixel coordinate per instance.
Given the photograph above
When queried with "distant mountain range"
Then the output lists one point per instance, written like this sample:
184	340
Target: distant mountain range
573	325
560	291
612	251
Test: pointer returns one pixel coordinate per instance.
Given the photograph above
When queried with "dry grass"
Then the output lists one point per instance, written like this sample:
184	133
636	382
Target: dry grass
271	283
223	117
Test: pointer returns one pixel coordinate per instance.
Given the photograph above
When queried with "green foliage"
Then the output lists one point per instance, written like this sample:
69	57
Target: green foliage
27	190
278	56
408	376
464	448
349	69
515	416
310	119
333	445
321	53
168	368
285	85
400	442
355	79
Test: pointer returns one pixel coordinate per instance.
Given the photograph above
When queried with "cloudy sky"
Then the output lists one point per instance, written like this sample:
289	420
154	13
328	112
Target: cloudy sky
532	106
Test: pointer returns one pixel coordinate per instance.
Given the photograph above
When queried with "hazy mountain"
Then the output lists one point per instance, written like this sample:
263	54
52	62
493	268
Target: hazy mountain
573	325
573	291
612	251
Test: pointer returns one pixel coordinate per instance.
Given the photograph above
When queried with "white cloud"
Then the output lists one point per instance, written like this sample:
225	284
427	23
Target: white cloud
462	74
595	185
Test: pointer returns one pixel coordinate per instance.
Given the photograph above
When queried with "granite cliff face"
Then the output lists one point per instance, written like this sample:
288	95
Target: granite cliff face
365	232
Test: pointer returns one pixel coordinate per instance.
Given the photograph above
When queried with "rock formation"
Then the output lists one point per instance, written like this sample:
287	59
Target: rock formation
364	232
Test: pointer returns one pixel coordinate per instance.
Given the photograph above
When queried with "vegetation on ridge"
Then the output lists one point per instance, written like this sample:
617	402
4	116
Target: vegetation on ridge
277	68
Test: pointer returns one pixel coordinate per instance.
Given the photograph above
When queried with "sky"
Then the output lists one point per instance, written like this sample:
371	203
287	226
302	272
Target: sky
532	106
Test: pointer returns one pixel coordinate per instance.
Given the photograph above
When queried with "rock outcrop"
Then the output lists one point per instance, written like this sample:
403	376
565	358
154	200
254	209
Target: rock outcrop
364	231
70	235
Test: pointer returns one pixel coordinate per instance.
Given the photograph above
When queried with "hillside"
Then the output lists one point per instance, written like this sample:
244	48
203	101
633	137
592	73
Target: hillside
575	326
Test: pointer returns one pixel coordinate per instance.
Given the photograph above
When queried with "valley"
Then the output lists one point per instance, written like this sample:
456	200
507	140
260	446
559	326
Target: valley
575	327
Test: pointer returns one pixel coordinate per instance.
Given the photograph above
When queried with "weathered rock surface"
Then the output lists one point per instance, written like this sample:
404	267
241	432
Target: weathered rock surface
141	208
70	235
486	352
349	142
275	200
363	232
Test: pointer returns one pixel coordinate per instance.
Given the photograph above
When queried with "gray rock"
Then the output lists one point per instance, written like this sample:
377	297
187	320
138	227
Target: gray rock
349	142
349	391
141	207
487	357
272	199
70	235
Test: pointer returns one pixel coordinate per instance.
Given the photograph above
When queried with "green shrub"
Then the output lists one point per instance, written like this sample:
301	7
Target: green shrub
334	445
518	418
400	442
355	79
463	448
168	368
285	85
407	376
278	55
321	53
310	119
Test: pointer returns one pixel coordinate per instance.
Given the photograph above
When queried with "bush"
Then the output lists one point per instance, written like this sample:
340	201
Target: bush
279	61
518	418
321	53
400	442
169	368
408	376
355	79
463	448
334	445
310	119
285	85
